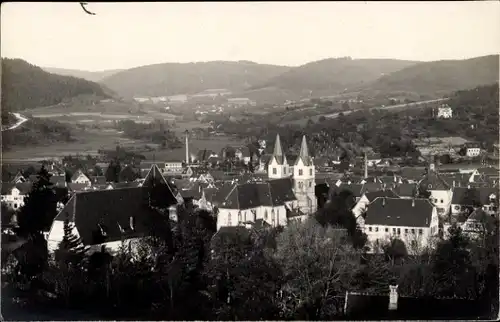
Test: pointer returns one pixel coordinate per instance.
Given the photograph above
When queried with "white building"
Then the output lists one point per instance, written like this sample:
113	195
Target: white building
173	166
414	221
80	177
440	190
303	174
467	197
445	112
368	197
13	194
472	149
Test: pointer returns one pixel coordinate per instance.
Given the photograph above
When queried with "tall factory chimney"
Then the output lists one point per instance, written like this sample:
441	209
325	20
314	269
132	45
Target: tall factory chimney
366	166
187	147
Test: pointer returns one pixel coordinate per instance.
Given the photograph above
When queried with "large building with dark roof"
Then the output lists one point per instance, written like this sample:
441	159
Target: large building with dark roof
414	221
106	217
269	201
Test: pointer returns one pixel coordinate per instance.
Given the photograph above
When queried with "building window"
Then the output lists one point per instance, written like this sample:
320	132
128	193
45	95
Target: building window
284	170
239	217
300	185
406	231
376	229
15	206
413	231
399	231
387	230
274	171
300	172
310	172
370	229
420	231
457	207
310	184
393	230
229	219
442	201
265	214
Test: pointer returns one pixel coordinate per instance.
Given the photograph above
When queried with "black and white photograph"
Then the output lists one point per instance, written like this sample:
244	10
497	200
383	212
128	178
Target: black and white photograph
250	160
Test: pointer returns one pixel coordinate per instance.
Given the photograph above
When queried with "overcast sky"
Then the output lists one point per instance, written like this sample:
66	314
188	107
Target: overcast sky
124	35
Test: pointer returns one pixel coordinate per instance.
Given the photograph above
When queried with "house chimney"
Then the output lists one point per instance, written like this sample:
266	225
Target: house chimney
383	187
366	166
413	202
187	147
453	183
383	201
432	166
393	297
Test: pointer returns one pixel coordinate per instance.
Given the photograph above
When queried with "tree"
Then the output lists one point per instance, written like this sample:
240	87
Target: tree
40	206
452	269
71	250
319	264
395	250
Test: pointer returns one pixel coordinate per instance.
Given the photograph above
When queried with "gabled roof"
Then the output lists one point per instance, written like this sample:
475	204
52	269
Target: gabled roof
98	180
77	174
380	193
252	195
433	181
304	154
399	212
412	173
58	180
7	187
77	186
488	171
406	189
479	195
371	187
111	209
155	178
455	179
282	190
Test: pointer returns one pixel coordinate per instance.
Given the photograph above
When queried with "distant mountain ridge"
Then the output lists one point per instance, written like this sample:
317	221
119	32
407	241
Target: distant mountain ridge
335	74
90	76
26	86
440	77
189	78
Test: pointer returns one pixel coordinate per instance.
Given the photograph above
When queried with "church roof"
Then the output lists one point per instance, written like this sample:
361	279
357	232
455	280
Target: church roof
278	151
304	154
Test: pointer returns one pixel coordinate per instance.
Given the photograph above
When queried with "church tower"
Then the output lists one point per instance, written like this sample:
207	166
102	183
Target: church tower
304	175
278	165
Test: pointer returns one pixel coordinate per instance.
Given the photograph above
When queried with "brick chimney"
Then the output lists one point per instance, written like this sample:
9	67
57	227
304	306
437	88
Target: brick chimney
393	297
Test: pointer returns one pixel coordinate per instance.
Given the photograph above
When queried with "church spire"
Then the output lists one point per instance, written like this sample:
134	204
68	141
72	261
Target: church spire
304	153
278	150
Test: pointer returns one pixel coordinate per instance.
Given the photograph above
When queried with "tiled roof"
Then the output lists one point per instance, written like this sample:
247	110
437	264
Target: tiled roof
371	187
282	190
489	171
77	186
455	179
406	189
412	173
167	192
399	212
380	193
433	181
479	195
7	187
251	195
77	174
121	185
98	180
110	209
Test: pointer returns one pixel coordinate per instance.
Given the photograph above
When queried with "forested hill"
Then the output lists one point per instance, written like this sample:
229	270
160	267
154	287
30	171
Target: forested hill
25	86
190	78
439	78
334	74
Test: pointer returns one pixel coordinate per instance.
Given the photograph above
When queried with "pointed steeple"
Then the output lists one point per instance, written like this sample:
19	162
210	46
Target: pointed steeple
278	151
304	153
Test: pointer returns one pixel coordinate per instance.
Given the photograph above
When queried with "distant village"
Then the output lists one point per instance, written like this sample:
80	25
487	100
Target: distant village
270	190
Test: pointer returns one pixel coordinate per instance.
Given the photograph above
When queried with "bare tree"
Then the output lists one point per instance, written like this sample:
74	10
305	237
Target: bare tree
320	264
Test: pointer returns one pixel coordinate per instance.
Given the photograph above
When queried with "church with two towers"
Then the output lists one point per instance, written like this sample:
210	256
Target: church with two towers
302	173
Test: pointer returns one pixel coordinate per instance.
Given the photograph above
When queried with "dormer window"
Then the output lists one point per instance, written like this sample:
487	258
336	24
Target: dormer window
300	172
